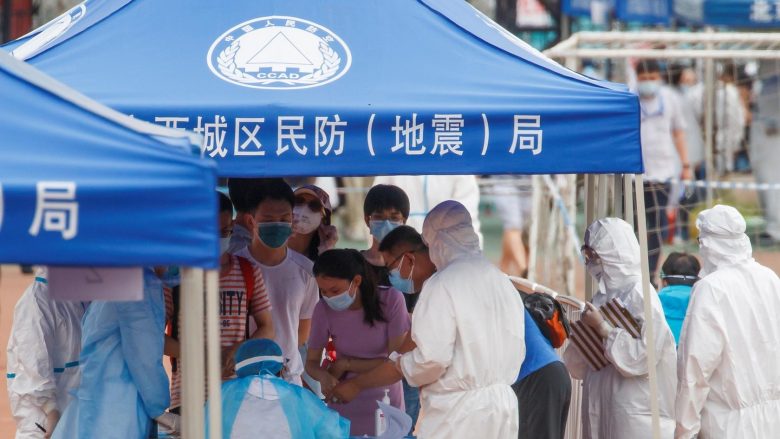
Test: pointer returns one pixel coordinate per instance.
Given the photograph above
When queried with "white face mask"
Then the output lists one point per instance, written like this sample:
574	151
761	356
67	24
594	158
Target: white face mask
305	220
224	243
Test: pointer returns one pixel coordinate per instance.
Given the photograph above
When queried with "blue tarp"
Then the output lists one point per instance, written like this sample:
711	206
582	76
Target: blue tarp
733	13
343	87
82	185
644	11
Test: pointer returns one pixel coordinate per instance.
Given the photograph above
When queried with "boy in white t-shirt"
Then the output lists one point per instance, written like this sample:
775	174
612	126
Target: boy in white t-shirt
288	275
664	151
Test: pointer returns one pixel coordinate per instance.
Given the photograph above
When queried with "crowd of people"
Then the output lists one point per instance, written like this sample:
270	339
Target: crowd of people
312	335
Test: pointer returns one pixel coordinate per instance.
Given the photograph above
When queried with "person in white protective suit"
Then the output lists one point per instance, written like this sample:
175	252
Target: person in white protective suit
123	382
260	401
43	358
468	339
729	360
428	191
616	399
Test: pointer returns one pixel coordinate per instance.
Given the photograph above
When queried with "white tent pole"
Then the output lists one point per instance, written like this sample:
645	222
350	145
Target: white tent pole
646	292
213	352
628	193
602	196
617	196
590	216
192	370
533	234
709	122
571	206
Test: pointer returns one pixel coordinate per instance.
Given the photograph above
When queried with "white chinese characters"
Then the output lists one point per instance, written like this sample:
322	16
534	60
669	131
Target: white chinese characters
765	11
447	133
437	135
408	136
527	134
56	209
326	133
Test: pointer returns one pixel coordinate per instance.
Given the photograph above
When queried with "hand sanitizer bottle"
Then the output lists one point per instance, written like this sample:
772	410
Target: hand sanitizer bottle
380	423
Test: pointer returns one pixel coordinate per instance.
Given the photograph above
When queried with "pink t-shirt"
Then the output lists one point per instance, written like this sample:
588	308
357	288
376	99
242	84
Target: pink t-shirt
353	337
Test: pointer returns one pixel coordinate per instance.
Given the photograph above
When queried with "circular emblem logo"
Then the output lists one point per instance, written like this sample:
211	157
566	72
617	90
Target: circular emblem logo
279	53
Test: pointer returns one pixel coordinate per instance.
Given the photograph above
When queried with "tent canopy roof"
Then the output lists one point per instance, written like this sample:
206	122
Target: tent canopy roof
342	87
81	184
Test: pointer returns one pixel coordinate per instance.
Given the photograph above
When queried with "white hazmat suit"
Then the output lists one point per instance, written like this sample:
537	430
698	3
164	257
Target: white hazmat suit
469	331
616	399
729	358
43	357
427	191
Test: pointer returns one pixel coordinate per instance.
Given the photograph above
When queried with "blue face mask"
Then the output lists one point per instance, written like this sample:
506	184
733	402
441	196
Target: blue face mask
274	235
405	286
648	89
342	301
380	229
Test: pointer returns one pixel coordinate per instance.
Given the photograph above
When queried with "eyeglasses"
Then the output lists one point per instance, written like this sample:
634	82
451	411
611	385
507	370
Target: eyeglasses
395	217
589	255
313	205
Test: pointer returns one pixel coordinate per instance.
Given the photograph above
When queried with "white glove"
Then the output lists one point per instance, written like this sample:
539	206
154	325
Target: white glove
170	422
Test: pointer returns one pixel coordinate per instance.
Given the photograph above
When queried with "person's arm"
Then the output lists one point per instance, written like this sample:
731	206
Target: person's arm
35	381
434	333
386	374
304	330
701	347
172	348
682	152
265	325
316	371
355	365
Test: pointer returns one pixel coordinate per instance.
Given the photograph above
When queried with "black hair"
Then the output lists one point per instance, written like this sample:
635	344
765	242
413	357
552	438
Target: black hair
225	205
346	264
313	251
648	66
262	189
681	264
402	235
386	196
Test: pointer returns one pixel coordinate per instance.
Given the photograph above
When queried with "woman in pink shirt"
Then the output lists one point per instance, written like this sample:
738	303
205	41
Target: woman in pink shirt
366	323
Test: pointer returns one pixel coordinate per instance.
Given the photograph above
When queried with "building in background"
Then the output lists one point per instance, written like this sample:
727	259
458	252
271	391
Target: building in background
26	15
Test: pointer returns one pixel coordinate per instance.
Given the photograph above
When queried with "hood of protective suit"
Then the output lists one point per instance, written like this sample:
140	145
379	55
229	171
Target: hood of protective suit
616	245
722	238
449	234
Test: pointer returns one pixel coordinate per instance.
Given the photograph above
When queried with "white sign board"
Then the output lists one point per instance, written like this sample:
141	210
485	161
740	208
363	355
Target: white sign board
90	283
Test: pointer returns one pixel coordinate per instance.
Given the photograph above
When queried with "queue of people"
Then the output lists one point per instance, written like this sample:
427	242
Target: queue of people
312	336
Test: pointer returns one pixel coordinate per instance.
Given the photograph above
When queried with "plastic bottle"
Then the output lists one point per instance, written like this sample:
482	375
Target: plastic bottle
380	423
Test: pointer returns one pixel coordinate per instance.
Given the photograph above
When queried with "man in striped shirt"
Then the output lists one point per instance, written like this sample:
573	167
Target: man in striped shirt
243	296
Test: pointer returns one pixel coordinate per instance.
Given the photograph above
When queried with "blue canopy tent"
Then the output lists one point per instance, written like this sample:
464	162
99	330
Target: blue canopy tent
296	88
341	88
733	13
82	185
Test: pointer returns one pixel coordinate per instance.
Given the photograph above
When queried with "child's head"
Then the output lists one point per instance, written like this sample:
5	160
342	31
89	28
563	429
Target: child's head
258	356
385	208
680	269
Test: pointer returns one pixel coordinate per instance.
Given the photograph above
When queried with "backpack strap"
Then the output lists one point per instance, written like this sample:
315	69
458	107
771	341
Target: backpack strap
248	271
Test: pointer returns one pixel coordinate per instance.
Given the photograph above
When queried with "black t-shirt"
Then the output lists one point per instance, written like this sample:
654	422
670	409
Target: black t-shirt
382	275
